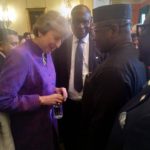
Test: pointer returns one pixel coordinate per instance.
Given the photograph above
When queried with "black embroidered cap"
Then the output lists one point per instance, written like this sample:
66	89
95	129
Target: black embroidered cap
114	11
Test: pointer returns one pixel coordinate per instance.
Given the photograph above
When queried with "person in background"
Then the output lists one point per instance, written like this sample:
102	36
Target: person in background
27	35
131	130
115	81
135	40
76	58
8	40
27	85
144	45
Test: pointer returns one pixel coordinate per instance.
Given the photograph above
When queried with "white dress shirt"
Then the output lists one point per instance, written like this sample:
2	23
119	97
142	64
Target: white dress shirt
73	94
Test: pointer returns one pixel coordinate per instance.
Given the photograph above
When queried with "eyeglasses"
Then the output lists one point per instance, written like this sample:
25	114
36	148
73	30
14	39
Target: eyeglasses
106	26
142	28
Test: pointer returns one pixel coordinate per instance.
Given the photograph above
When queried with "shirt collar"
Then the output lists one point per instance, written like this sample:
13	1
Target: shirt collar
85	39
2	54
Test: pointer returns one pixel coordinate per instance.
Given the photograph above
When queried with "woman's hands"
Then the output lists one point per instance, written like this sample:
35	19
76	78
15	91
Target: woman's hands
59	97
63	92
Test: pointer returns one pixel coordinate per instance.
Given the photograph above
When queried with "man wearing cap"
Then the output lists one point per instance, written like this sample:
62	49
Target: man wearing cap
131	130
115	81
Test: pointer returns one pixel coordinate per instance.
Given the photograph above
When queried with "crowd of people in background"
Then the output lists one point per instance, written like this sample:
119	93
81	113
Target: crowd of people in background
99	71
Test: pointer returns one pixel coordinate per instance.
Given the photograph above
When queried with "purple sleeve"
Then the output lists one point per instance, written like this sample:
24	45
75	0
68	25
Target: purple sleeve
12	78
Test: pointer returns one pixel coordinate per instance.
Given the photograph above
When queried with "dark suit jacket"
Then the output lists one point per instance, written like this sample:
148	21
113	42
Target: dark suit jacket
132	131
144	47
114	82
62	60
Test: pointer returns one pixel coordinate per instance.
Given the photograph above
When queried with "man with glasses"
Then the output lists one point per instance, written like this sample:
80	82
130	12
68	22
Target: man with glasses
131	130
115	81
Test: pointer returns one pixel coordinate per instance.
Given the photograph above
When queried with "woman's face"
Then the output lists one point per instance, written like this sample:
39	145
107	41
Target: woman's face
50	41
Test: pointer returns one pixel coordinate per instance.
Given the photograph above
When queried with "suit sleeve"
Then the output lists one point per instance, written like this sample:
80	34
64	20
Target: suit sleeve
109	93
12	78
138	135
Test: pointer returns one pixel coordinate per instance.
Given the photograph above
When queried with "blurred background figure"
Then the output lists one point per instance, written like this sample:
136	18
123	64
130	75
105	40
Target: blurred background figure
26	36
8	40
144	45
135	40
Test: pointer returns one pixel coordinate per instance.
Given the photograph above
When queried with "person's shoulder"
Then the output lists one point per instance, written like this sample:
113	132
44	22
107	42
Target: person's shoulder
120	62
111	63
67	41
107	69
63	49
19	53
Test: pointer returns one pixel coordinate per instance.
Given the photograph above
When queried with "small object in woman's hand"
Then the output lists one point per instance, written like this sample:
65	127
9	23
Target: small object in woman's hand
58	111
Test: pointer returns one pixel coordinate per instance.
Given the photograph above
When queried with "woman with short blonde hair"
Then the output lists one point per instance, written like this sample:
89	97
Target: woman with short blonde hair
27	85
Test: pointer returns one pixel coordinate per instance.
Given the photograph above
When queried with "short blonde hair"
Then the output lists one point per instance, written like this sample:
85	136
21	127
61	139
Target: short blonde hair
52	20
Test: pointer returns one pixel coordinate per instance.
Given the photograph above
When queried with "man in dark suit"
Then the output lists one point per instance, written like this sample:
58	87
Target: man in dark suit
115	81
144	46
72	77
131	129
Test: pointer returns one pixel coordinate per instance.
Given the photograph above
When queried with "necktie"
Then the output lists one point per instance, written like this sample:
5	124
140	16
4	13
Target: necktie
78	81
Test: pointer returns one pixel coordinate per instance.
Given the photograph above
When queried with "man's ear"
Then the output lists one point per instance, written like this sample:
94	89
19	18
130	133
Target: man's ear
91	21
